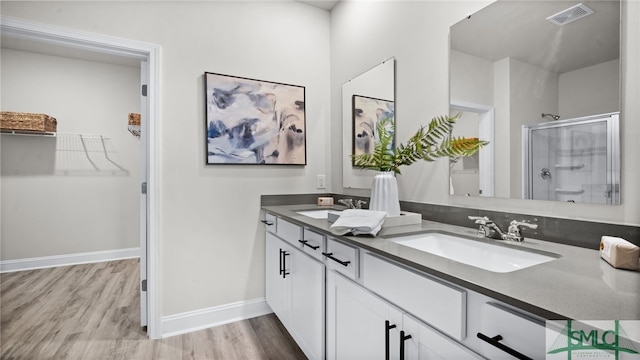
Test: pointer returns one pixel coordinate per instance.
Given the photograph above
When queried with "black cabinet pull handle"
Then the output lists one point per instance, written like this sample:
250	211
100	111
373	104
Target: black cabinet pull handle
403	338
305	243
284	264
495	341
281	267
387	327
343	263
268	223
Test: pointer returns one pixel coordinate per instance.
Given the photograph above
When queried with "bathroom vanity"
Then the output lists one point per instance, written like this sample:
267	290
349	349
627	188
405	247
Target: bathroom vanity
377	298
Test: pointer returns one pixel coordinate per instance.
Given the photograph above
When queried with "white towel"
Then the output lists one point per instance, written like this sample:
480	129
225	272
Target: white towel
359	222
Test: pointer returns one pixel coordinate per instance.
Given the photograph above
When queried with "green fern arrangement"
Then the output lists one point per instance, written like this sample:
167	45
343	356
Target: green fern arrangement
428	143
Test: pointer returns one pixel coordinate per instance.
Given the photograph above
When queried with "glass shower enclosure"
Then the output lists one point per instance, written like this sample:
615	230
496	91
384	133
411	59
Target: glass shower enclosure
574	160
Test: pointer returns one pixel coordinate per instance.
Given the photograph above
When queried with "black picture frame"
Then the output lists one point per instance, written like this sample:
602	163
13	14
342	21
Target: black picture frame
254	122
366	112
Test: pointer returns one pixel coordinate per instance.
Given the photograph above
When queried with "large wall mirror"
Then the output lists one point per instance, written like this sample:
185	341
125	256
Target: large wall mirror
366	98
522	65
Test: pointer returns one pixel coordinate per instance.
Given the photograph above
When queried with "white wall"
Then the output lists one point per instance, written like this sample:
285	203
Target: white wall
472	81
471	78
46	210
211	241
577	99
416	33
533	90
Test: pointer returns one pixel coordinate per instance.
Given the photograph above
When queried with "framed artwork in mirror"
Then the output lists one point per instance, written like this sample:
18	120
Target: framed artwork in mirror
367	112
251	121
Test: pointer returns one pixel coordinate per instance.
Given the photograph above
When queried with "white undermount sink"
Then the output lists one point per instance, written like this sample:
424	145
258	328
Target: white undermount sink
480	254
319	214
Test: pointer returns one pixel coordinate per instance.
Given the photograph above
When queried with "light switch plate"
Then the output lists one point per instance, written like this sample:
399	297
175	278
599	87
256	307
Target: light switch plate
321	181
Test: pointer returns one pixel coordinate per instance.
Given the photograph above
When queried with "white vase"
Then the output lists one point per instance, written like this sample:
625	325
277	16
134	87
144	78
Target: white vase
384	194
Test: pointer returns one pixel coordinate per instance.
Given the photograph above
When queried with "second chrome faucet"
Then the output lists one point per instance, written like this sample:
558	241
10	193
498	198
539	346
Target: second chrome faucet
488	228
351	204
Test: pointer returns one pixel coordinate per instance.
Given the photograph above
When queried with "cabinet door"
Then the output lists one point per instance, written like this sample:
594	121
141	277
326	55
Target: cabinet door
277	288
427	343
524	335
441	305
357	322
307	304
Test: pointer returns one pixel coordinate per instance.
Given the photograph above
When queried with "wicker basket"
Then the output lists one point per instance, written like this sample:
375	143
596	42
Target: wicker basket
19	121
134	124
134	119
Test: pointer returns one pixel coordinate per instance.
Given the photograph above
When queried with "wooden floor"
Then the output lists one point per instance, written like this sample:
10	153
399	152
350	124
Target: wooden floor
92	312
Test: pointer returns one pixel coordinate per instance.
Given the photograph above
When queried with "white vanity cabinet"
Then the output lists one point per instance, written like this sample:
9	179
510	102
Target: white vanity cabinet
342	258
508	334
379	308
441	305
277	285
361	325
295	288
426	343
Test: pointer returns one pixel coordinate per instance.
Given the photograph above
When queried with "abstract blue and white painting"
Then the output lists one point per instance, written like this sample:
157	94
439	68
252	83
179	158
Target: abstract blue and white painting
367	113
254	122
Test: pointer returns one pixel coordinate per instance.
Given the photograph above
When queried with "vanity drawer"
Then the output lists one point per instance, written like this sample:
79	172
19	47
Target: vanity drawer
342	258
289	232
518	331
270	222
439	305
312	243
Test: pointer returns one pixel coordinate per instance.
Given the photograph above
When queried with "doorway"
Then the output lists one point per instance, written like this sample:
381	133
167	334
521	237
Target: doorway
49	36
479	175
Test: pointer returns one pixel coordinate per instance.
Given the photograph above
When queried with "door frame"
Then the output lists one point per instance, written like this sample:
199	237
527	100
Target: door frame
486	157
67	37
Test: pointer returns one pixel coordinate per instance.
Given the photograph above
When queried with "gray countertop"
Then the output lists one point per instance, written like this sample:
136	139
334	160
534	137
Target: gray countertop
577	285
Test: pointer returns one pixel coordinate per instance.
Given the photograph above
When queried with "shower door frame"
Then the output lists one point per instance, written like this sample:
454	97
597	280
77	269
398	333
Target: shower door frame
613	151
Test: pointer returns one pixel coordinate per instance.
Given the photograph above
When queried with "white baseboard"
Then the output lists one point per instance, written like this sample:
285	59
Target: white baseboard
67	259
219	315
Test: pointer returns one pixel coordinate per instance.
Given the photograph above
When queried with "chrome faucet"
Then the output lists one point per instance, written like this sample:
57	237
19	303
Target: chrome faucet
488	228
350	204
515	230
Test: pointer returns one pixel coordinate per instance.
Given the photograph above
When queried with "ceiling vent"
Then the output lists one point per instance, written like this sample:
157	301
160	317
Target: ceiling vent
570	15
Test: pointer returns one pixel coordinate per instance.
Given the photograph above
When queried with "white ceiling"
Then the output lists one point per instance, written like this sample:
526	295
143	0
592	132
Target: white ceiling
322	4
519	29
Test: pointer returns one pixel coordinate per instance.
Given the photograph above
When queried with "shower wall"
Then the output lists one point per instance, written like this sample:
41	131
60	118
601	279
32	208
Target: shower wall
590	91
573	161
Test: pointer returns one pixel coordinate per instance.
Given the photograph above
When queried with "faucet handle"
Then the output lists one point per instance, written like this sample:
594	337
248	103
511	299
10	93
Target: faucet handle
478	218
514	229
360	203
516	224
482	220
347	202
